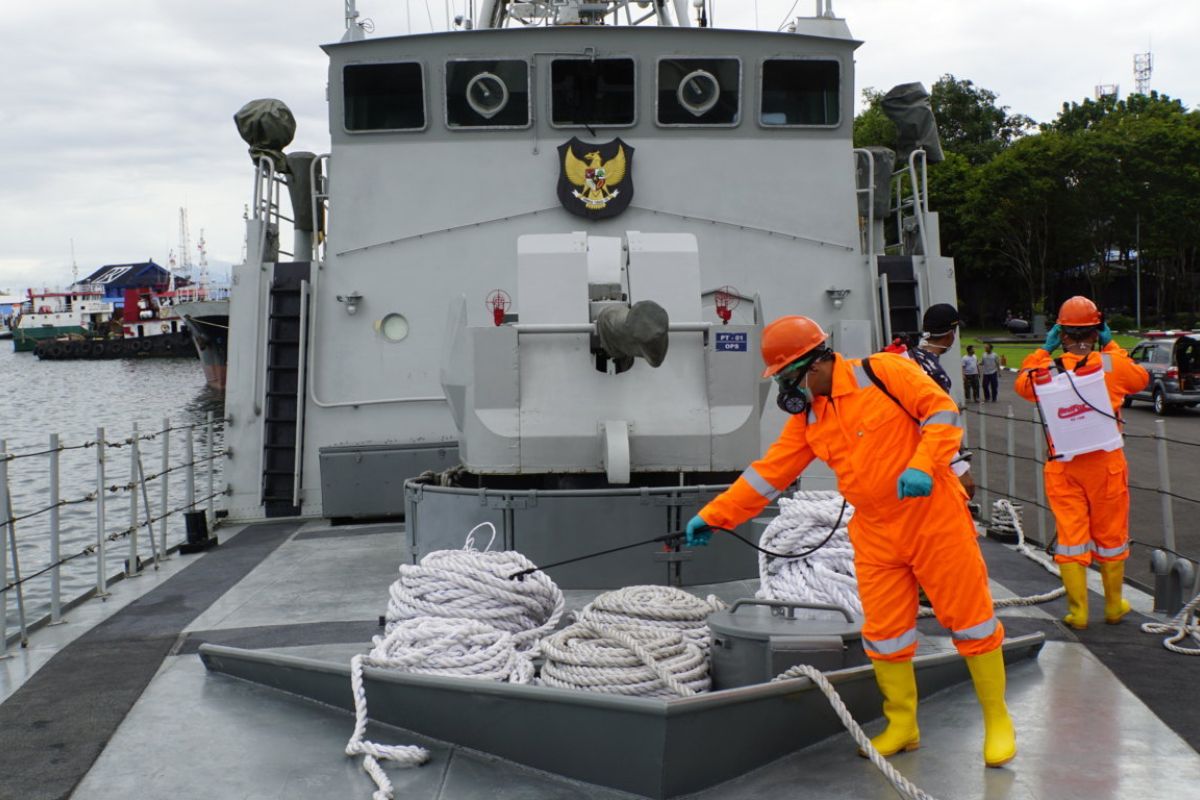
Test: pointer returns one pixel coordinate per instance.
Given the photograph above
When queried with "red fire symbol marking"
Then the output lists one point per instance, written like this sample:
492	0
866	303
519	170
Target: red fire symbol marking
498	302
727	299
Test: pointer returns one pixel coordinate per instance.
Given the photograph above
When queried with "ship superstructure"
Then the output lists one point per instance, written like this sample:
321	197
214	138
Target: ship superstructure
449	148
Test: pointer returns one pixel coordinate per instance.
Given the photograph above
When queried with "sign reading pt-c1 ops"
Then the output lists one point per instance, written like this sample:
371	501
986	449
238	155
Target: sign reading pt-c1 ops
596	180
730	342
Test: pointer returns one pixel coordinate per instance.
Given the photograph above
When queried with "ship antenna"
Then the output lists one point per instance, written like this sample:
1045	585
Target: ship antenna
355	30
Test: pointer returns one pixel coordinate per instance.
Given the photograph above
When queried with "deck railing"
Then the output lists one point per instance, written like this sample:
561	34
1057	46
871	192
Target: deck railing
146	495
1018	474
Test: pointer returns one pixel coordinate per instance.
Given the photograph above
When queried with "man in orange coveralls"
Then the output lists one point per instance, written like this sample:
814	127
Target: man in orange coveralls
1089	494
892	459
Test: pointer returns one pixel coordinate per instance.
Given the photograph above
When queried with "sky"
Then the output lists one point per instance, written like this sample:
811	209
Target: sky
115	114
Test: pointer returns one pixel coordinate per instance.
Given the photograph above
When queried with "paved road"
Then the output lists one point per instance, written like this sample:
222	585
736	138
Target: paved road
1146	515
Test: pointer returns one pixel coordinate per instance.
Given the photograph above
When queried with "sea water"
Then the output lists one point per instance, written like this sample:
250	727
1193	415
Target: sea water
73	399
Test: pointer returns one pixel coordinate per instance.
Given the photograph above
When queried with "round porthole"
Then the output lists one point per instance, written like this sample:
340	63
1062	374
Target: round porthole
394	327
487	94
698	91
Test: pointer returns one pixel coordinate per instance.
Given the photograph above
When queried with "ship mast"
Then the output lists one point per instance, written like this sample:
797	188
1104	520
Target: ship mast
502	13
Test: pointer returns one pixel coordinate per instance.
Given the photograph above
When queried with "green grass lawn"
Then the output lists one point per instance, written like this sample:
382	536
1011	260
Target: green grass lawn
1014	354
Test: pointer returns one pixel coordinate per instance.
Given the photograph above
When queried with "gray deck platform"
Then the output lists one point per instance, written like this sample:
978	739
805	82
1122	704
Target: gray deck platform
1083	732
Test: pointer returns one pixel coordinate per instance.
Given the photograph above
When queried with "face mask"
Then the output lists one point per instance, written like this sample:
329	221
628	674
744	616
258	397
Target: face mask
793	398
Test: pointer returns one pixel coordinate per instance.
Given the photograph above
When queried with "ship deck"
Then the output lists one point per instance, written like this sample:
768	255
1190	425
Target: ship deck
116	702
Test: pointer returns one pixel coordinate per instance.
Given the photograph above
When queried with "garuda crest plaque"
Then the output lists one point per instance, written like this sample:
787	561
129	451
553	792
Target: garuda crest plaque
596	180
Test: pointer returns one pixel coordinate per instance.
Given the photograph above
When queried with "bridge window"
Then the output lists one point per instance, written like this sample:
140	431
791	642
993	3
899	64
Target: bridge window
487	94
800	92
698	91
588	91
383	97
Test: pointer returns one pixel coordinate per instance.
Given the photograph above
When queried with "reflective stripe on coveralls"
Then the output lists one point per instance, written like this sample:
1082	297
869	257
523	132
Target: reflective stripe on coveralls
868	440
1089	494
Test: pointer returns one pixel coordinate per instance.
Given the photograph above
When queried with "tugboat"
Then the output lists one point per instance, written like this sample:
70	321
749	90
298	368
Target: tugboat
148	327
79	311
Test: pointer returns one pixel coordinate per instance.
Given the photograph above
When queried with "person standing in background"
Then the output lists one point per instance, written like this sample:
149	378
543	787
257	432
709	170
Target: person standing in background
989	366
970	367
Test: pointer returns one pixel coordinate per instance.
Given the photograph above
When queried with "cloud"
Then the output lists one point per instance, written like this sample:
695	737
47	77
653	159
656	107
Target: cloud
115	114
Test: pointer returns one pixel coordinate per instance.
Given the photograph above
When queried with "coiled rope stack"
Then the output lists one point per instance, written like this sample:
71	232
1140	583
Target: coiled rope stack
825	576
661	607
625	659
456	613
647	641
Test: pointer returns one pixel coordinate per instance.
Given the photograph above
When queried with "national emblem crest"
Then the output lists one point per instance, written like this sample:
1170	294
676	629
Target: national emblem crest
595	180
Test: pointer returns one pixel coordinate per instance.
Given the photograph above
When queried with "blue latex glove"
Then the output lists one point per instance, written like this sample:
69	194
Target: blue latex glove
913	483
698	532
1105	335
1053	339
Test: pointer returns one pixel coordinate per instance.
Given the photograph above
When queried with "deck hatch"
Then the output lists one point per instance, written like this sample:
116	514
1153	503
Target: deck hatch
383	97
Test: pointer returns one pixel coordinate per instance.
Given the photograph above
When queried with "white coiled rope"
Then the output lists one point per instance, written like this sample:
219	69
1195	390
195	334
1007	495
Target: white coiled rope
903	785
1184	624
458	614
626	660
476	585
662	607
825	576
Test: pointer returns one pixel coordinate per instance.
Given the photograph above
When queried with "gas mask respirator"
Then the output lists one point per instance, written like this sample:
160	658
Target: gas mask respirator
794	396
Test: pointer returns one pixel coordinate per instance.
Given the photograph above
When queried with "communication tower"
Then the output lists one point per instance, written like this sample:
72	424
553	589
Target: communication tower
185	245
1104	90
202	264
1143	66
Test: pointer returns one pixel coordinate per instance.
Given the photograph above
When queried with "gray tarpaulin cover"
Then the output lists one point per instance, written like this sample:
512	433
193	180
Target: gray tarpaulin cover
300	188
885	162
268	126
907	105
639	331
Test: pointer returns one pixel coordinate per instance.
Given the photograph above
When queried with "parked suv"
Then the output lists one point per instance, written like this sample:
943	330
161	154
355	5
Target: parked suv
1173	361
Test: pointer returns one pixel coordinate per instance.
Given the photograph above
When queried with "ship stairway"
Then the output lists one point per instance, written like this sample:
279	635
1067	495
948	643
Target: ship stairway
283	421
899	296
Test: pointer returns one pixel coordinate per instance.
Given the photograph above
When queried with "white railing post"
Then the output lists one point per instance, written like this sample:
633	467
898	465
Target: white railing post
1010	449
55	556
101	555
3	551
1039	480
132	568
1164	484
208	424
164	500
983	465
189	456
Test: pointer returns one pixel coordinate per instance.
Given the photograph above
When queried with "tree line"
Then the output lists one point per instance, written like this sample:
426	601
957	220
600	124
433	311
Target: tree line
1034	213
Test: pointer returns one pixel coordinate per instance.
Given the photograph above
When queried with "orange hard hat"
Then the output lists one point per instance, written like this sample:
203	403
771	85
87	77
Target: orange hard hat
1078	312
787	339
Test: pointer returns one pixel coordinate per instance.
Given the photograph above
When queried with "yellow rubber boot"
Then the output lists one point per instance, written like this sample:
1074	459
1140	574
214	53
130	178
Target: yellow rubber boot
1074	578
1112	573
898	682
999	736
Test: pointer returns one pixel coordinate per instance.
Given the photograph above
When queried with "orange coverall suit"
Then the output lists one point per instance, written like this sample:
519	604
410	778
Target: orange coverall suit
1089	494
868	440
